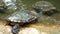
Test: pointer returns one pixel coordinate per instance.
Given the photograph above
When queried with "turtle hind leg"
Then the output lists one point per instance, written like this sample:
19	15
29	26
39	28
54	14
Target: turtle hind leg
15	29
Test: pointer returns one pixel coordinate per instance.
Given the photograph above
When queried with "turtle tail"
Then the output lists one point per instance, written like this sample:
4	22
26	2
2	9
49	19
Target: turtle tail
15	29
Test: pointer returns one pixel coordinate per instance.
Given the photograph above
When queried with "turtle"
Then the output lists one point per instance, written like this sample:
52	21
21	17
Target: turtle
11	4
44	7
19	18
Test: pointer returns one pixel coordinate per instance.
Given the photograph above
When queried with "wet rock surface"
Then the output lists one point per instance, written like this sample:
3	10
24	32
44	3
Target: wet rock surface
5	29
32	29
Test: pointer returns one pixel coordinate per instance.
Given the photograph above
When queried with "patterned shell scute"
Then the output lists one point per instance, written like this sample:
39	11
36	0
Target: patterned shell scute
22	17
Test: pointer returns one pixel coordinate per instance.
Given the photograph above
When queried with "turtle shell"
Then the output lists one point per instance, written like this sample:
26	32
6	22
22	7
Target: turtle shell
23	16
44	5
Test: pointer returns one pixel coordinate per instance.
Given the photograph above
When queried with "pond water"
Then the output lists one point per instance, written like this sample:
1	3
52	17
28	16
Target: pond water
27	4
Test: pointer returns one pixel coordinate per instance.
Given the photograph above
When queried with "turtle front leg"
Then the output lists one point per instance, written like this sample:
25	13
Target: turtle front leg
15	29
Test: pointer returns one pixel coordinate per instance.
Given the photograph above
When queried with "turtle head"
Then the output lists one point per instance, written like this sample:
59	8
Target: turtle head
15	29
